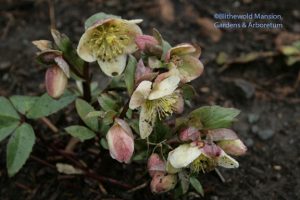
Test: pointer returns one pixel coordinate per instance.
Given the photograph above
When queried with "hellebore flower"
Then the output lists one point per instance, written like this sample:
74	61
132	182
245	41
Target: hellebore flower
55	81
120	141
228	141
200	156
108	42
184	58
163	182
158	99
189	134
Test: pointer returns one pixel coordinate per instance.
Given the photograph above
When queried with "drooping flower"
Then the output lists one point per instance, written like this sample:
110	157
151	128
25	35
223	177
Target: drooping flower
156	165
158	99
200	156
109	42
184	59
56	81
163	182
120	141
228	141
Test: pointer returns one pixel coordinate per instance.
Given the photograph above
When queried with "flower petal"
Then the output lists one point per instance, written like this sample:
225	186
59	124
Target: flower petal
114	67
147	121
182	49
164	88
190	69
226	161
233	147
155	164
83	50
140	94
183	155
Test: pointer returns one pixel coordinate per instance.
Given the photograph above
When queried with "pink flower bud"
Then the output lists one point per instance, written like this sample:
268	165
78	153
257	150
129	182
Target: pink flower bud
155	164
55	81
234	147
120	141
189	134
142	41
162	183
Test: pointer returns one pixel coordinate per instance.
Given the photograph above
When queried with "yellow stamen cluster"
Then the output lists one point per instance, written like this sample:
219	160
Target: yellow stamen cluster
108	41
202	163
164	106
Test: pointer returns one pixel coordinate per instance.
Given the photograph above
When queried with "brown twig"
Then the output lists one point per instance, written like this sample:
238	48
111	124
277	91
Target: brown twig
52	14
125	109
220	175
42	161
49	124
143	185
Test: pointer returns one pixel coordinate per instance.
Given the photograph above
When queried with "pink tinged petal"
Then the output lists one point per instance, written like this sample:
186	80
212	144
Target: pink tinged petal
140	94
146	121
233	147
189	134
190	69
164	88
179	106
183	155
155	164
132	31
83	49
226	161
55	81
48	56
141	70
162	183
182	49
63	65
114	67
42	44
222	134
120	142
143	41
211	150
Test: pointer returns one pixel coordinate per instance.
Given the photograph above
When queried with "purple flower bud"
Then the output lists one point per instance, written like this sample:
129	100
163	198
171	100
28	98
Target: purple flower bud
55	81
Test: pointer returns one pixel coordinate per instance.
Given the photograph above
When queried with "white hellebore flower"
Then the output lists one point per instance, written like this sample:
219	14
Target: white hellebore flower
200	156
158	99
109	42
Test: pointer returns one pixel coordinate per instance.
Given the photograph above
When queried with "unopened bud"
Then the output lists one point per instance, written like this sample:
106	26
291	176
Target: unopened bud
155	164
144	41
120	141
55	81
189	134
162	183
233	147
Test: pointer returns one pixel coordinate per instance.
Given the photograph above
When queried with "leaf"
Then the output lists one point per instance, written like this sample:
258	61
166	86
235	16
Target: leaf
130	74
197	185
19	148
7	130
188	91
109	117
212	117
83	109
23	103
100	114
140	156
107	103
80	132
98	17
184	181
7	110
103	143
46	105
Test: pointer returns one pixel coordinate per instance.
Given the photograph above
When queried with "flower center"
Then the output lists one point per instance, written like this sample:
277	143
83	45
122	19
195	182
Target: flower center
164	106
176	60
108	41
203	163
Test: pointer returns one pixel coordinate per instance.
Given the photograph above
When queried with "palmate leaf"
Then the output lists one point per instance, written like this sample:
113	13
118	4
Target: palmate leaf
19	148
83	109
46	105
80	132
212	117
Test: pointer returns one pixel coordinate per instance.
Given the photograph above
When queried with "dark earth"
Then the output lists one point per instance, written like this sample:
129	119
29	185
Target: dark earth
266	90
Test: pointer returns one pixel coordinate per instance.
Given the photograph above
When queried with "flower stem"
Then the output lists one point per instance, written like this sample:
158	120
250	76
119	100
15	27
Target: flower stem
86	84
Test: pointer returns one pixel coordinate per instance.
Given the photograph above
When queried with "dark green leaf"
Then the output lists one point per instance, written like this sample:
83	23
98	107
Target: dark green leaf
97	17
23	103
184	181
140	156
46	105
188	91
80	132
109	117
83	109
197	185
107	103
7	130
19	148
212	117
7	110
130	74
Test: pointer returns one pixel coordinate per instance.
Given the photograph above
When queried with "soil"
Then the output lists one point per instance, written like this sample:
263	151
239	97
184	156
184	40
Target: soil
263	90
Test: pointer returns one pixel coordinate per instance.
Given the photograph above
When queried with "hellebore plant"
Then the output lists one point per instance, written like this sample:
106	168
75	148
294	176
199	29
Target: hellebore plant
138	116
